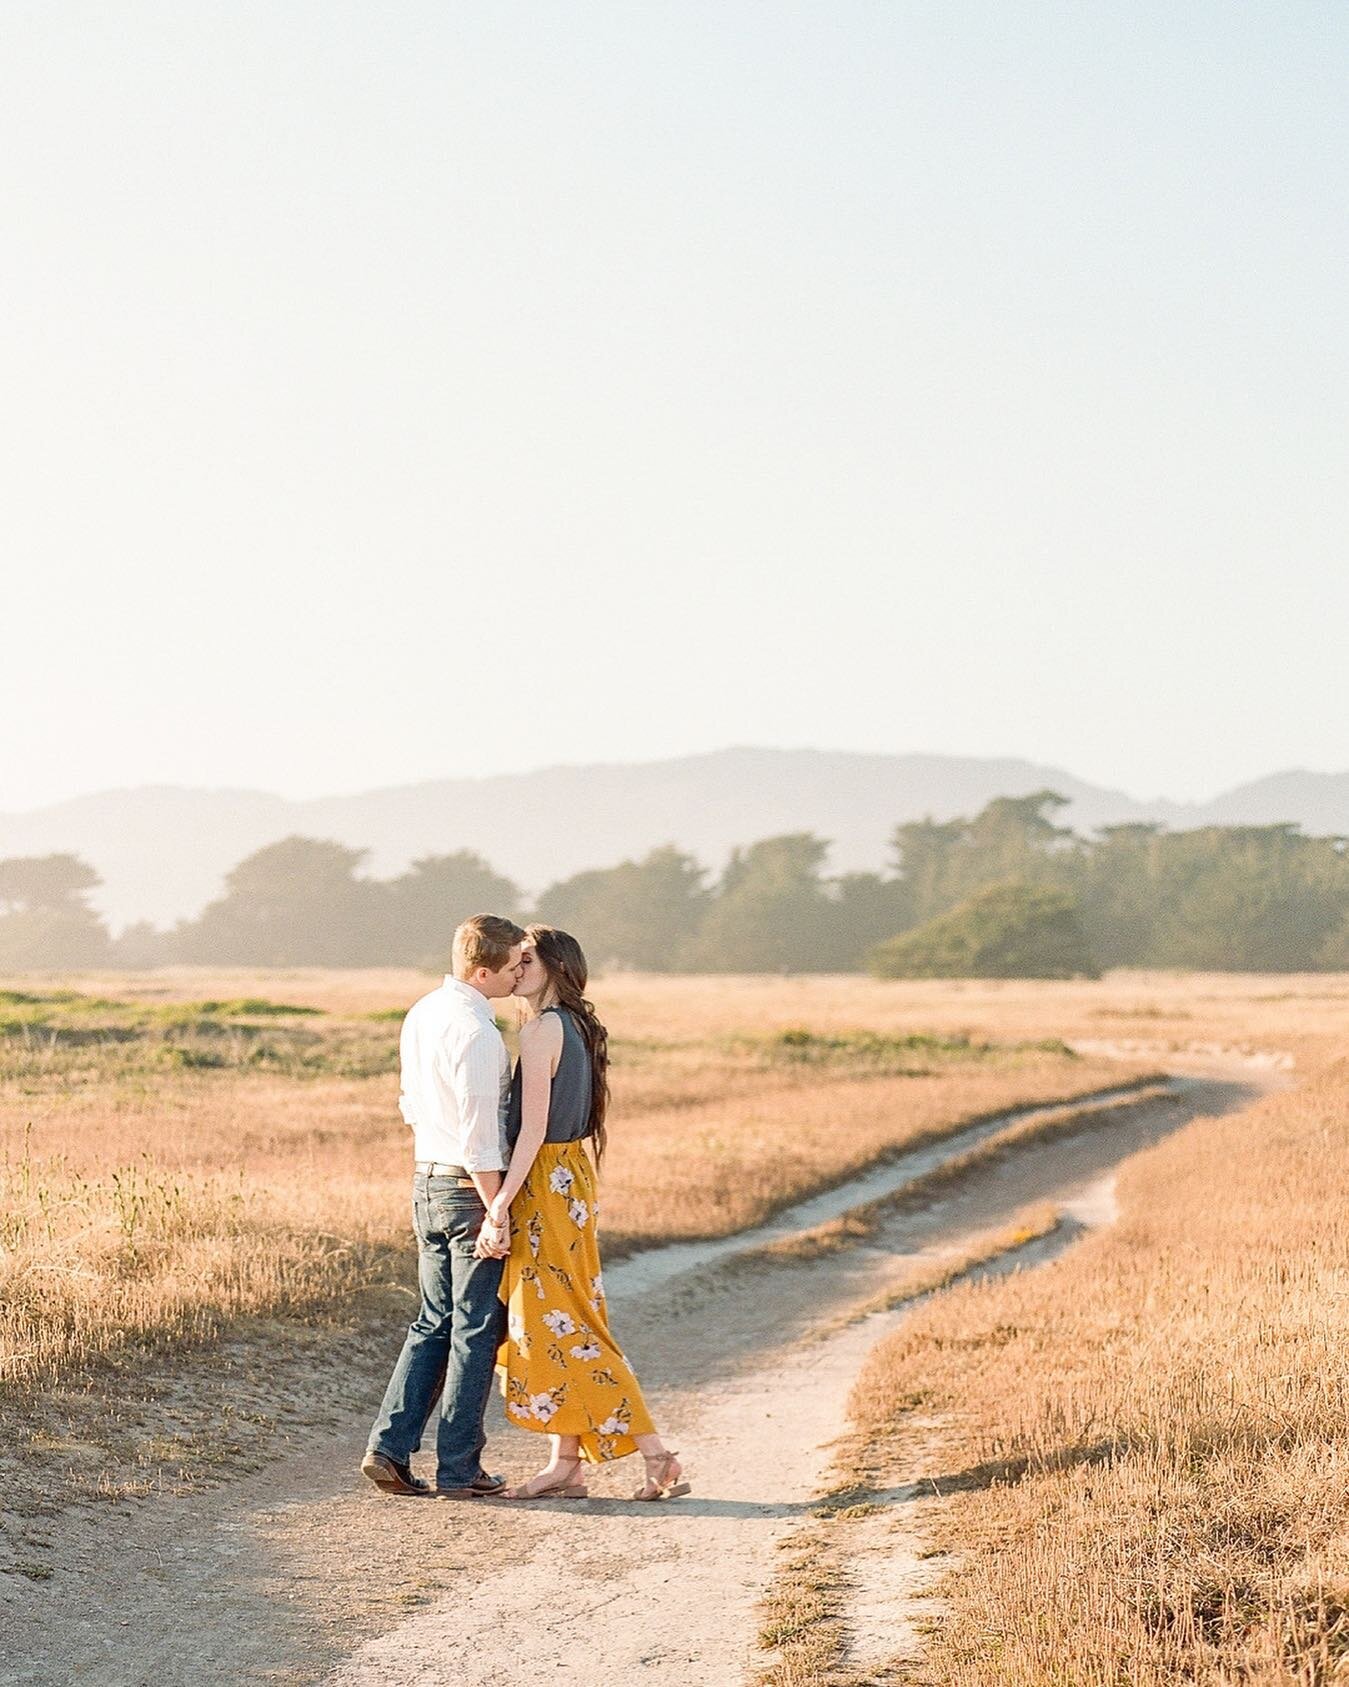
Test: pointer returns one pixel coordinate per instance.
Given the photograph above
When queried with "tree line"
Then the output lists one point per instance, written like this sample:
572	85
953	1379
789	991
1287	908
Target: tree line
1008	892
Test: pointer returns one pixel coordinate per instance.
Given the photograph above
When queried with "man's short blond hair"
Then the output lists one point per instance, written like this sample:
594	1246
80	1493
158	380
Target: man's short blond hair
485	940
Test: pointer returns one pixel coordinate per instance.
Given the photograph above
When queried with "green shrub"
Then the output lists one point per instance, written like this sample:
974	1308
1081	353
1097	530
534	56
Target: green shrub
1008	930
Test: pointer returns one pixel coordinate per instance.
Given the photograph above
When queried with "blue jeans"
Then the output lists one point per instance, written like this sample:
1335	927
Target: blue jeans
451	1346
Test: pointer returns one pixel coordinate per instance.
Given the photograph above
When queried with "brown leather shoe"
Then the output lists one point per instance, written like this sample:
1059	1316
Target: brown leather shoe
390	1477
482	1487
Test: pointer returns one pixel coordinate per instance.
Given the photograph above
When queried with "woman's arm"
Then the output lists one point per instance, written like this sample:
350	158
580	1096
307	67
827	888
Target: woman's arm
540	1051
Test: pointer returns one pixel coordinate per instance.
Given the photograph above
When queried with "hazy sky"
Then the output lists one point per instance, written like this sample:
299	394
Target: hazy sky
414	389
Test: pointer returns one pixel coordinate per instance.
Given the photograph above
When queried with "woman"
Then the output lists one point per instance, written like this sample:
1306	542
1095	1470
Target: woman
562	1371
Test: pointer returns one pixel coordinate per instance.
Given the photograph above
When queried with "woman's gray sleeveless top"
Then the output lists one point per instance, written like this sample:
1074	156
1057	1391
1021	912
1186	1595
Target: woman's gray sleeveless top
569	1098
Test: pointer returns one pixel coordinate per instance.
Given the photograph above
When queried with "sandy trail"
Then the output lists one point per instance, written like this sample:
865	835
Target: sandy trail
299	1573
663	1589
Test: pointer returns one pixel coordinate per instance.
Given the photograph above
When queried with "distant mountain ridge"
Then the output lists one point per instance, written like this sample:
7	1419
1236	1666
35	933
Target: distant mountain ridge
163	850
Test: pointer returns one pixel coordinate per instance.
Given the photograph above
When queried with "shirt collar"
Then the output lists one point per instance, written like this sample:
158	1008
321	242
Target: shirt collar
475	998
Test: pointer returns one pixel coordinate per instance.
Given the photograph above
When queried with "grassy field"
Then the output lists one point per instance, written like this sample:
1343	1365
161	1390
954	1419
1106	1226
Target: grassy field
1144	1445
181	1150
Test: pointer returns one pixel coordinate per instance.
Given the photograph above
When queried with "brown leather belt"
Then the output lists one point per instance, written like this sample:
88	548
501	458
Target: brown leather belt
439	1168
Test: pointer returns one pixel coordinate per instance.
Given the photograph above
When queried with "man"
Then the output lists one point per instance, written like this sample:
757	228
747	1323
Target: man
455	1076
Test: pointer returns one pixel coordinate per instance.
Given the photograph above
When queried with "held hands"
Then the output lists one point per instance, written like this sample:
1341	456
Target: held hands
494	1237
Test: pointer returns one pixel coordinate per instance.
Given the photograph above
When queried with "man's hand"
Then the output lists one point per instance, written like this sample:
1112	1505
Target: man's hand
494	1239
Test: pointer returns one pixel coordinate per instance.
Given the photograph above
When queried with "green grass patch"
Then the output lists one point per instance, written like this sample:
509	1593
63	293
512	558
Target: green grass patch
194	1060
798	1045
258	1007
67	1006
63	1036
240	1007
70	999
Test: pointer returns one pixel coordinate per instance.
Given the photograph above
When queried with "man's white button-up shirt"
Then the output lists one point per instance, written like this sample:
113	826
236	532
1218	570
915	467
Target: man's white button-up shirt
455	1078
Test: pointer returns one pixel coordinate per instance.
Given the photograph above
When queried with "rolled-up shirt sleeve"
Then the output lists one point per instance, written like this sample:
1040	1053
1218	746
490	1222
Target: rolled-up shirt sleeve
475	1075
406	1105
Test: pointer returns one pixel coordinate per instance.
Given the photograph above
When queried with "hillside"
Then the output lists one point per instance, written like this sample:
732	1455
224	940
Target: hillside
162	850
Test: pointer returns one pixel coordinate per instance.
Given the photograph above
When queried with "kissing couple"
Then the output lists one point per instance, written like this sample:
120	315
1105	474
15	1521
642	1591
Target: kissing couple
504	1211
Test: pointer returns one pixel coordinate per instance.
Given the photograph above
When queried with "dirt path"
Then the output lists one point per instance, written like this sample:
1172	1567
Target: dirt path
297	1573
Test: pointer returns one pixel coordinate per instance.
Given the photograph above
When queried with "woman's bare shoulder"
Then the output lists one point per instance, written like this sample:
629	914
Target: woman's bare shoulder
541	1032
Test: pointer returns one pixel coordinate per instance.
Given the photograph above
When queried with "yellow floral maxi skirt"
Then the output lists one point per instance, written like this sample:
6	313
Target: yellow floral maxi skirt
562	1373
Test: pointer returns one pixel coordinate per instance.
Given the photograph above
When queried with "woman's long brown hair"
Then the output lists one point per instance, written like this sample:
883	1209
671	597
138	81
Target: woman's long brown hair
565	963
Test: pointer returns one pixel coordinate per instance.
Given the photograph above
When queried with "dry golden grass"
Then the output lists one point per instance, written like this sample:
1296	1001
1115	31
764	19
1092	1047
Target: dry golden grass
805	1610
927	1276
1159	1011
1145	1442
177	1153
1146	1439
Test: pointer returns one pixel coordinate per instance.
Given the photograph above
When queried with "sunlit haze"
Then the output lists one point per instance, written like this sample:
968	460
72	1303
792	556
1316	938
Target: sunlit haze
398	392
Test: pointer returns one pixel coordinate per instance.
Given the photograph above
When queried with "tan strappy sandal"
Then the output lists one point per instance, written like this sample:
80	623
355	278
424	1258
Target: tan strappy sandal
666	1488
568	1488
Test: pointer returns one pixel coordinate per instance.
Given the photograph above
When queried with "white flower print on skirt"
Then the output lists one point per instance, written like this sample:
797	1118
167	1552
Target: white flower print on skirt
561	1367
